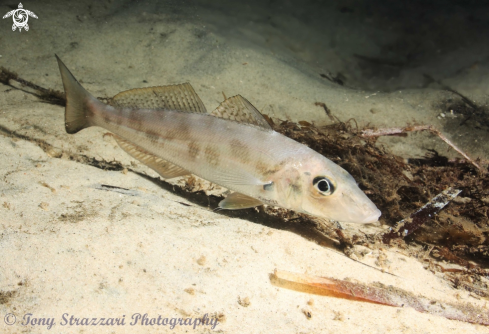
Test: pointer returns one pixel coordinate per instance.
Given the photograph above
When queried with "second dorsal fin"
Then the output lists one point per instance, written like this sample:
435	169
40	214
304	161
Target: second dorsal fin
180	97
238	109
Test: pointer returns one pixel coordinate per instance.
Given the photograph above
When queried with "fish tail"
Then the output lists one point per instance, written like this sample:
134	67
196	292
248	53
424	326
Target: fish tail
80	104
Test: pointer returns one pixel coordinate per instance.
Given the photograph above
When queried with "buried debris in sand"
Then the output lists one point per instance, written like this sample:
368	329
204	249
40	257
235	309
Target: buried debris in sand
379	294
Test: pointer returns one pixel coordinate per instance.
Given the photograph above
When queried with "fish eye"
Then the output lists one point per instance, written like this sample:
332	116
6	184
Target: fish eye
323	185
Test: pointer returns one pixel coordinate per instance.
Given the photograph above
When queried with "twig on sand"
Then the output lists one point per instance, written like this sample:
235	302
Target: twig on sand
378	294
430	128
49	95
326	109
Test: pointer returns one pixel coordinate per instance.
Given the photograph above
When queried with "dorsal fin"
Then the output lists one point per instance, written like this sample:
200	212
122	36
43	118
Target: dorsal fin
180	97
166	169
238	109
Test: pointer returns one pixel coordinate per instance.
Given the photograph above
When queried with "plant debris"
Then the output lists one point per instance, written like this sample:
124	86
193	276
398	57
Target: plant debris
418	218
399	188
7	77
326	109
378	294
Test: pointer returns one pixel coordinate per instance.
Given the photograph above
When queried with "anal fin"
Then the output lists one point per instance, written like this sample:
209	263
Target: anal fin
237	201
166	169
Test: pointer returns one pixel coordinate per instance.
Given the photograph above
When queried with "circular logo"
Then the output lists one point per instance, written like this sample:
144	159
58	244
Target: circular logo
10	319
20	17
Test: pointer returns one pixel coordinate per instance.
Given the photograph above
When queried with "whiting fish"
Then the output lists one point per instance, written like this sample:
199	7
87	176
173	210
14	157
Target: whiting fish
168	129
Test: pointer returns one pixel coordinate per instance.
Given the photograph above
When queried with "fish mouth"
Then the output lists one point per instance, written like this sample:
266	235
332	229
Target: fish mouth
371	218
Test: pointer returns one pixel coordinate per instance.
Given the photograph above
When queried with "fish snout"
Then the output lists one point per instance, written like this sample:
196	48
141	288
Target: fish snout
367	212
361	210
371	216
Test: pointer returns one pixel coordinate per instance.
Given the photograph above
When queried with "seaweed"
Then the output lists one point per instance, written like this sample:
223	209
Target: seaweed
48	95
399	188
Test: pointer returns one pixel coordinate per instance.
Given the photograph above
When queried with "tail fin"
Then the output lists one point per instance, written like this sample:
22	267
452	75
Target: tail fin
77	113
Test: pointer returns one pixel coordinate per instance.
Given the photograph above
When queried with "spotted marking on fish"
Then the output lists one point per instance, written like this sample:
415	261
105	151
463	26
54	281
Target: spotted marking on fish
212	155
240	150
136	120
106	118
261	166
153	136
171	134
193	149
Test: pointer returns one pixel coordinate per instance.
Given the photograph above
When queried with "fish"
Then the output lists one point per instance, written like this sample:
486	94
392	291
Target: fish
169	129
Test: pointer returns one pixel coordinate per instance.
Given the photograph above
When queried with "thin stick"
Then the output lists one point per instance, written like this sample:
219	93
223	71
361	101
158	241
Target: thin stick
432	129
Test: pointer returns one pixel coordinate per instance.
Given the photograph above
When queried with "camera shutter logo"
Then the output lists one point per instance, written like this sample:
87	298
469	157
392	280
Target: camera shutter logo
20	17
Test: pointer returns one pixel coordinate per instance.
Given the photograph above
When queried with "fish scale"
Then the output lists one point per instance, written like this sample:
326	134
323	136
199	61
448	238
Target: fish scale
214	138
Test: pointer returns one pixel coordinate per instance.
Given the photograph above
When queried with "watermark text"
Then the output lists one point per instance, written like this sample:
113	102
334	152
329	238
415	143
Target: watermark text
136	319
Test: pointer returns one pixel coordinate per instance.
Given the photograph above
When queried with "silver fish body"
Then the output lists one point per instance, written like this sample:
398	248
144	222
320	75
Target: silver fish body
258	164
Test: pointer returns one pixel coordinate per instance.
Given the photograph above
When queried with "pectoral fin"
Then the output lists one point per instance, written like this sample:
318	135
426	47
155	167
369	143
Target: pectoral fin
166	169
236	201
